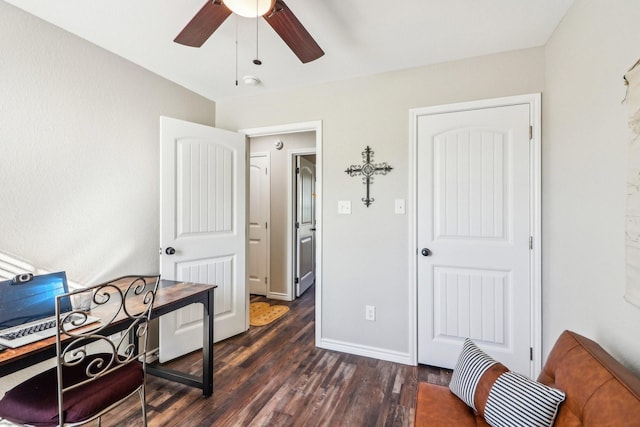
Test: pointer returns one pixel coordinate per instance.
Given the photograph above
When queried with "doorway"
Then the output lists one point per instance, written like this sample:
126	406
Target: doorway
283	169
304	229
284	136
292	160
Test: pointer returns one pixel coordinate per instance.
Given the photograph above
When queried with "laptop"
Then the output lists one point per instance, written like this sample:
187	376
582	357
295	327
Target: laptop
28	308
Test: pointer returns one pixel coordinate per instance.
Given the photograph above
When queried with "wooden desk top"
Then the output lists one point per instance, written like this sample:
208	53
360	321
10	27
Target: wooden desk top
170	295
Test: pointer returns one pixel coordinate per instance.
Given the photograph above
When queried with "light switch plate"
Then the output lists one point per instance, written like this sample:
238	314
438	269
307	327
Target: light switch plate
400	206
344	207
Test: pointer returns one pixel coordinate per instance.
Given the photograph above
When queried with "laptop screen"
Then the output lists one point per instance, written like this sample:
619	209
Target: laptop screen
24	302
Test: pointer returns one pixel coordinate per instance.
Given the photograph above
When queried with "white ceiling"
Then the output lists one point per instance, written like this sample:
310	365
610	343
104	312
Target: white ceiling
359	37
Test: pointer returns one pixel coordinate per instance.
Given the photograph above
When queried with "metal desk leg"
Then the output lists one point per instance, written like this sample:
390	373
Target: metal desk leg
207	346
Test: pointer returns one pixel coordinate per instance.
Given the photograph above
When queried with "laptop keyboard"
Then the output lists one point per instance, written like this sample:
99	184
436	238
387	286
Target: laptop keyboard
32	329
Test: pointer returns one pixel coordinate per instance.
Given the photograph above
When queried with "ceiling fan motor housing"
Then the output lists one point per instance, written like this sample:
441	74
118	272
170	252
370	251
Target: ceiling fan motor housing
250	8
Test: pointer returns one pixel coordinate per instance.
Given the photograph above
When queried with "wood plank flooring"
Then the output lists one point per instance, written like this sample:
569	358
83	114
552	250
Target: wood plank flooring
274	376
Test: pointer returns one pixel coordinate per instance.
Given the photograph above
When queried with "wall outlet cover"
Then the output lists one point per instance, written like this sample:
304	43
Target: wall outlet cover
344	207
370	312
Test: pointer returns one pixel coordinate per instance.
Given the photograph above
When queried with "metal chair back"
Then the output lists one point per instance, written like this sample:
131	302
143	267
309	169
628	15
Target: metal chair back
104	348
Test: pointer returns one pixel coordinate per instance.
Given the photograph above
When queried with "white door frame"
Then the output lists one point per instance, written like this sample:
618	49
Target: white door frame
313	126
534	101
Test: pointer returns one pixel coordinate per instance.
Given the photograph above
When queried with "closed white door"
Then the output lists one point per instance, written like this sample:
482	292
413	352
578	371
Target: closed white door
473	235
259	206
202	229
305	225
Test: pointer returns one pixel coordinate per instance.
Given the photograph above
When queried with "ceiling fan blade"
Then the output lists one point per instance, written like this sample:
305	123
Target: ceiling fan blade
290	29
203	24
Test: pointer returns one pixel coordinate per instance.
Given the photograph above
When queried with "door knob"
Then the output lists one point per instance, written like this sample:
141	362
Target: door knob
170	251
426	252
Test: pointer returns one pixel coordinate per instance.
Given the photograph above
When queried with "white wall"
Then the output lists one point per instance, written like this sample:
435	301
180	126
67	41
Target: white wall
79	138
584	176
365	254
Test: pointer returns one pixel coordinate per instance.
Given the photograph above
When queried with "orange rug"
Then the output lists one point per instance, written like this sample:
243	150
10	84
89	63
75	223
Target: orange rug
261	313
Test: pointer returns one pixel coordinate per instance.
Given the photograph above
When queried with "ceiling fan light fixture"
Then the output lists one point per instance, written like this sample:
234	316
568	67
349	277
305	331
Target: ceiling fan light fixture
250	8
251	80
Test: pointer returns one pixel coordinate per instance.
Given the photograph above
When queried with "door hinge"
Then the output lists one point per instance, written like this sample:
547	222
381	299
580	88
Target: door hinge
297	225
531	353
297	280
266	225
265	280
297	170
530	243
266	171
530	133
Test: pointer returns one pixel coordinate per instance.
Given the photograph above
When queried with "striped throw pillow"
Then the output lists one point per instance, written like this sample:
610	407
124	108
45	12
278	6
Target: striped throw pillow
515	400
471	364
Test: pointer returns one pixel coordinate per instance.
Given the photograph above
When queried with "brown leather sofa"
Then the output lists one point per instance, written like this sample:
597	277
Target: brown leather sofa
599	390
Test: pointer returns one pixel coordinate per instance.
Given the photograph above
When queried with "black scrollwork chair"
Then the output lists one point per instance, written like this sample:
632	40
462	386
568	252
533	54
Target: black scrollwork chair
94	371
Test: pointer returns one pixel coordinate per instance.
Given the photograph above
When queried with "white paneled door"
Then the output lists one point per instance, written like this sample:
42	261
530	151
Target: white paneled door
202	228
259	206
305	225
473	235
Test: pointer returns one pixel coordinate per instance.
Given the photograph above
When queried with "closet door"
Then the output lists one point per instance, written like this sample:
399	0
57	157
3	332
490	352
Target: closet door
473	234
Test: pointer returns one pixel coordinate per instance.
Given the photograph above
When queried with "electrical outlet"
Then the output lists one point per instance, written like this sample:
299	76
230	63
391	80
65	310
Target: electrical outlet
370	312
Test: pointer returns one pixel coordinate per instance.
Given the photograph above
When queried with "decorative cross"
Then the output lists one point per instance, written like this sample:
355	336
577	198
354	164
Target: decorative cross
367	170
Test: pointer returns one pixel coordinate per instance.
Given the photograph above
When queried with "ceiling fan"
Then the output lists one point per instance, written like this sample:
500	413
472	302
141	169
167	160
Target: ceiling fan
275	12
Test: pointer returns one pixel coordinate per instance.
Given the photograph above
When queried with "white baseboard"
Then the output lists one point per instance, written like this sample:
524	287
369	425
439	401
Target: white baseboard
153	355
278	295
366	351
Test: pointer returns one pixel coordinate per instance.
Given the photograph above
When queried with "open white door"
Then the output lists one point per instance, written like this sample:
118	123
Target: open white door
474	217
202	228
305	225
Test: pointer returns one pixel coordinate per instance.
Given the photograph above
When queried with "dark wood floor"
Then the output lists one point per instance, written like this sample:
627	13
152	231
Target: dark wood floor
274	376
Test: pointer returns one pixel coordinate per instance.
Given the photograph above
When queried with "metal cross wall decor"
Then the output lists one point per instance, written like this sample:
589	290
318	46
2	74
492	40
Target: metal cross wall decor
367	170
